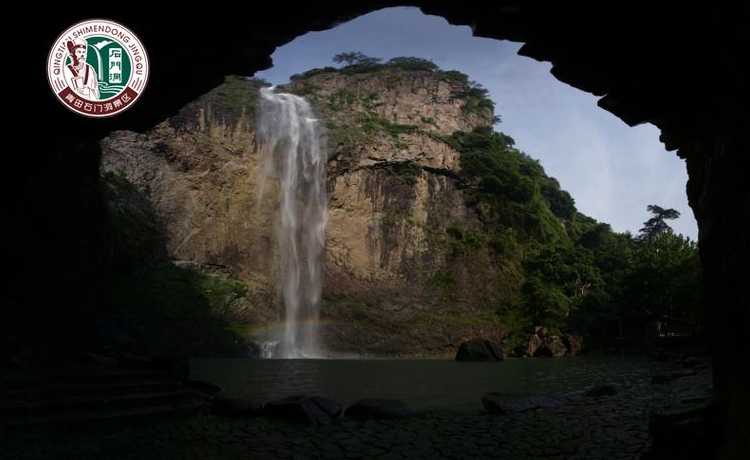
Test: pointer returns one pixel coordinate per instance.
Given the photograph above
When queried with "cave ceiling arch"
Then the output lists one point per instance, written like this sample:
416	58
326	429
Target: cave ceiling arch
679	70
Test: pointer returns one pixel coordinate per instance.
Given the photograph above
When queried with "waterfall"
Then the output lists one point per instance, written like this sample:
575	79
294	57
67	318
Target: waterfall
292	145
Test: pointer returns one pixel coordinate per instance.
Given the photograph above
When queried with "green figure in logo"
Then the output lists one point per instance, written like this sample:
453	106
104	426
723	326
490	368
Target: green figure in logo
80	75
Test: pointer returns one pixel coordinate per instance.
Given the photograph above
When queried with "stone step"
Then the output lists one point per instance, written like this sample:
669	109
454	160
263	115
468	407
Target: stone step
75	417
104	403
55	390
90	393
85	376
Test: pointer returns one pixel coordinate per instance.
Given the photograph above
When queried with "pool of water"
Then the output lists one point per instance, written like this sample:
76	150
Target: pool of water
423	384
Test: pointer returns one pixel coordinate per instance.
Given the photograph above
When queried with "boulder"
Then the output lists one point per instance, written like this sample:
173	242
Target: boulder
313	410
332	408
480	350
379	408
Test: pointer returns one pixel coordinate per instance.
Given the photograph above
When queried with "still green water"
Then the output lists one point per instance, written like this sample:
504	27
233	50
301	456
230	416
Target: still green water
423	384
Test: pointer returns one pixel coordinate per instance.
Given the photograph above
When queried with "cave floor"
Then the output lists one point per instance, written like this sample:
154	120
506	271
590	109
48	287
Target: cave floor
608	427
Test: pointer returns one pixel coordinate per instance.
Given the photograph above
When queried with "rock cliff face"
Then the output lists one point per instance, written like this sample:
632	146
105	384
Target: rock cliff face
406	268
198	171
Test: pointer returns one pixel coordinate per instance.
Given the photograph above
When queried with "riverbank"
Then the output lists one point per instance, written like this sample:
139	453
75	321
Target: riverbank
614	426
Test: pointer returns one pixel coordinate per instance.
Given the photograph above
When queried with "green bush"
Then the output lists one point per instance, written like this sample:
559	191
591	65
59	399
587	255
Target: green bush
412	64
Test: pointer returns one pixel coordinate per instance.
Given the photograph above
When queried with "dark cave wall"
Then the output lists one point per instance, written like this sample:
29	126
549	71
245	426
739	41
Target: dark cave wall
718	194
684	70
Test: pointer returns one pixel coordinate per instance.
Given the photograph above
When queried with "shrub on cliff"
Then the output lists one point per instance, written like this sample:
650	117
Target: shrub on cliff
413	64
507	183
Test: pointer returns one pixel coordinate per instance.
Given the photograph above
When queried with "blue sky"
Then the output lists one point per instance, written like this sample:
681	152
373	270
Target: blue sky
611	170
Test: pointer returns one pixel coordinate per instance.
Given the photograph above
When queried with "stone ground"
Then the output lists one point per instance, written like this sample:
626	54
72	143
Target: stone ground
583	427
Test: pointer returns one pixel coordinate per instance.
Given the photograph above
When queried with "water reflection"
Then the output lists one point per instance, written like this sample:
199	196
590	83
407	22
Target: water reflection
424	384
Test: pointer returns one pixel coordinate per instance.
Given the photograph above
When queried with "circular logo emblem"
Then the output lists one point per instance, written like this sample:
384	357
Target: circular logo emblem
97	68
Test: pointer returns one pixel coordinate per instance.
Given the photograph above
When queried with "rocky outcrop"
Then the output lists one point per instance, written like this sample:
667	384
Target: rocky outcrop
541	344
480	350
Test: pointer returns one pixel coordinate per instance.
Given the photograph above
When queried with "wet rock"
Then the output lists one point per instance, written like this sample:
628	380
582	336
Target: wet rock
536	340
661	379
598	391
552	346
234	407
329	406
556	346
480	350
306	409
541	344
535	343
503	404
379	408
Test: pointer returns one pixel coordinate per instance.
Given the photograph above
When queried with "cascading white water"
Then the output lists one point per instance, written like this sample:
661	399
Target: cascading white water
292	145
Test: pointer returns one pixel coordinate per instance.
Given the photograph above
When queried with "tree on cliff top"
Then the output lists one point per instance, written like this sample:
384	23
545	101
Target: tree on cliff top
355	58
413	63
656	225
362	62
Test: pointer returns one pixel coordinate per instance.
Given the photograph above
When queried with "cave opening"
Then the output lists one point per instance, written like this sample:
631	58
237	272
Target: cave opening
706	130
363	203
